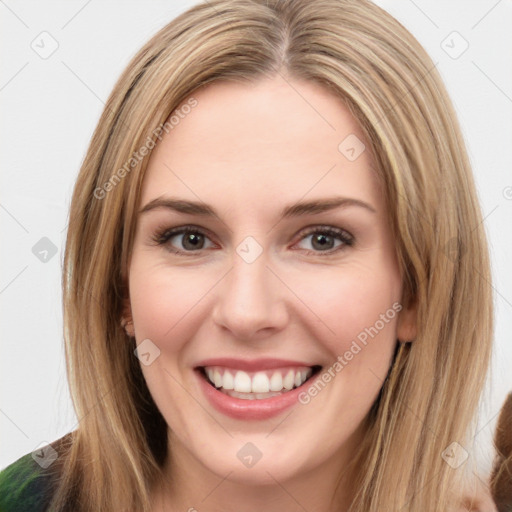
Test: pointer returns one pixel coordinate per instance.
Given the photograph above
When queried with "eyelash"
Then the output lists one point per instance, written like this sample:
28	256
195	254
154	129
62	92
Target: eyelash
162	236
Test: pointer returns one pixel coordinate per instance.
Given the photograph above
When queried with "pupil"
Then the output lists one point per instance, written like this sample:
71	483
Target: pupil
322	240
193	239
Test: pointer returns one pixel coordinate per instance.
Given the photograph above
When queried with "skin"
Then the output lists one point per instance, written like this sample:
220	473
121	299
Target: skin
249	151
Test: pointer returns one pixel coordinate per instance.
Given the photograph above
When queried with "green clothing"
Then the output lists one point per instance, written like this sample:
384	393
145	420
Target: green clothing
25	486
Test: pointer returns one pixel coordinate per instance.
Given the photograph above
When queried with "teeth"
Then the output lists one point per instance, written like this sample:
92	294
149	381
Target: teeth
258	385
289	380
217	379
242	382
228	381
276	382
249	396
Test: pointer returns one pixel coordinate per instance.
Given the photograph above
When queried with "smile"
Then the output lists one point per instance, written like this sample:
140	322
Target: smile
256	389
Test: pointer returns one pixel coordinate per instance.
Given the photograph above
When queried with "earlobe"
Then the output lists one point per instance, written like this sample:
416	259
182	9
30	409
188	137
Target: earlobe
127	325
406	327
127	320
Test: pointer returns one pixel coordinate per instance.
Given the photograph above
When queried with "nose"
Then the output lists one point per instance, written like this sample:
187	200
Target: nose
250	300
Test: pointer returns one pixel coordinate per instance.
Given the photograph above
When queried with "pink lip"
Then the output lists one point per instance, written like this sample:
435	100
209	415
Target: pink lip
253	365
249	409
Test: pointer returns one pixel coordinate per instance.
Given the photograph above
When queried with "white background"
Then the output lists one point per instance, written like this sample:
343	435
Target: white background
51	106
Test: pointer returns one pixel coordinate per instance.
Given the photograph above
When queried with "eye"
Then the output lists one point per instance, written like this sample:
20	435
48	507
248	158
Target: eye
188	239
327	239
183	239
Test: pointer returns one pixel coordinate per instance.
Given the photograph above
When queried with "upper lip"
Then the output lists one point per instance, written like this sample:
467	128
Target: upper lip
252	365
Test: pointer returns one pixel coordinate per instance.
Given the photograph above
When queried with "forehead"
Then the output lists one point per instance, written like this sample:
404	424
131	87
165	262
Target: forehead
272	140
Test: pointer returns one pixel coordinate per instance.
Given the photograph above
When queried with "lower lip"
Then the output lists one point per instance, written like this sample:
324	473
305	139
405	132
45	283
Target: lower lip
257	409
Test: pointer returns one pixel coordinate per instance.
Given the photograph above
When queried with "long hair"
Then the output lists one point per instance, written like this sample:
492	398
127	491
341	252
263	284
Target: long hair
391	86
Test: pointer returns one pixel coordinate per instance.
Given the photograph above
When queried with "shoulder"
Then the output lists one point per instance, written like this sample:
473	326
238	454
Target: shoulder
25	486
501	480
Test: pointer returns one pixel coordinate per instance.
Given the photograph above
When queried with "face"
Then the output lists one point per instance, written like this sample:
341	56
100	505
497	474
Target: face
281	285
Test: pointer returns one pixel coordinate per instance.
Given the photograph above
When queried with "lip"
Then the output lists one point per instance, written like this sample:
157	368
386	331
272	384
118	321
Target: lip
253	365
257	409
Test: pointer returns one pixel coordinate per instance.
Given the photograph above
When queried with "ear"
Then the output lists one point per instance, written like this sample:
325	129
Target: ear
406	325
127	319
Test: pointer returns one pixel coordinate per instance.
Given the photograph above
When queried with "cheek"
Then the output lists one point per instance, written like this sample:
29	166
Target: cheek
163	301
360	308
351	303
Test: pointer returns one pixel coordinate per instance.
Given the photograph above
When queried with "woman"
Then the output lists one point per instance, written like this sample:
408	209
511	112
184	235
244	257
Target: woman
276	278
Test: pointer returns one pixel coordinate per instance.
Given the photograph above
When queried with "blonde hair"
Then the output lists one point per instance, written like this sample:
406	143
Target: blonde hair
391	86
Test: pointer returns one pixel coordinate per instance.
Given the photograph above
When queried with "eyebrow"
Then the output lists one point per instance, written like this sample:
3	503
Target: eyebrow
295	210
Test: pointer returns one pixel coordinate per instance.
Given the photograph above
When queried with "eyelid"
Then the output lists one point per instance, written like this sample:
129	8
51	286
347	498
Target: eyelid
323	228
